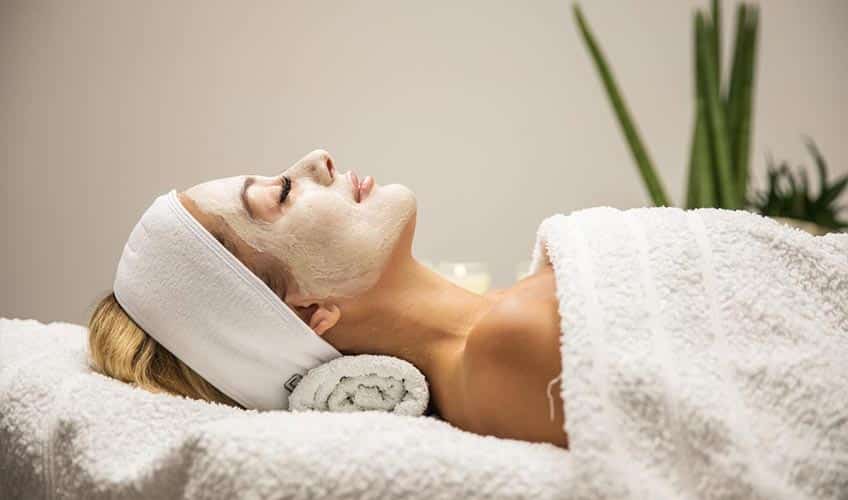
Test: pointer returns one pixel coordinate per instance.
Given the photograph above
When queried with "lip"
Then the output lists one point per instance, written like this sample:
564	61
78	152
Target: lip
362	188
365	187
354	184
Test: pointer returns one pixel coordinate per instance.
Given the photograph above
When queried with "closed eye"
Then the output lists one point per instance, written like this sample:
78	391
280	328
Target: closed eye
286	187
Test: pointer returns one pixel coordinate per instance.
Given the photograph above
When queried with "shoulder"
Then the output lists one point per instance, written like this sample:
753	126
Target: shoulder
523	323
511	356
508	332
497	362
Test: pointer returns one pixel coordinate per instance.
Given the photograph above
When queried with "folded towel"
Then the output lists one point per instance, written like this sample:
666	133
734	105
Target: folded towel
360	383
704	353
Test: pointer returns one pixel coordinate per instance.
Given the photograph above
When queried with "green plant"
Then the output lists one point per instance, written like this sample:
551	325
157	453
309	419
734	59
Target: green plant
719	156
788	196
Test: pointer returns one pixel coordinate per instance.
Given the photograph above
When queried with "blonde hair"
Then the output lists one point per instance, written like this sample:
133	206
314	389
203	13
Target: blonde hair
120	349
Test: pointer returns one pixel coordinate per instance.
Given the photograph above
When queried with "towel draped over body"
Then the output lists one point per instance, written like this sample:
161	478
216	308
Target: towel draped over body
704	352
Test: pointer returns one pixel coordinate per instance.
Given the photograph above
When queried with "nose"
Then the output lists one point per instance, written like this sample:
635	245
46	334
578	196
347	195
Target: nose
319	161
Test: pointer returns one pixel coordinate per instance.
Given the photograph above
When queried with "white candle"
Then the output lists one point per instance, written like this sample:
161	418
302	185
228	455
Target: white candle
472	276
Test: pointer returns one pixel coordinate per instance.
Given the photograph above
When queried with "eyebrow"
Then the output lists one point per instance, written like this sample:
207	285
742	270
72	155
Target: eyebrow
247	182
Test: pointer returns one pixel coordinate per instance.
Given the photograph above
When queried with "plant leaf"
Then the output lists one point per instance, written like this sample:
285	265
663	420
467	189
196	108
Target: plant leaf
736	67
637	149
820	163
733	99
716	17
701	191
832	192
715	116
743	108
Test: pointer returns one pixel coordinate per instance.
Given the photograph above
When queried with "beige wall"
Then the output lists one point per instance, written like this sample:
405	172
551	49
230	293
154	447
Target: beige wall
490	111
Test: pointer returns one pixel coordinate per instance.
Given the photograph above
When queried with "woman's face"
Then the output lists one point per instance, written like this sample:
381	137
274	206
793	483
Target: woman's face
332	231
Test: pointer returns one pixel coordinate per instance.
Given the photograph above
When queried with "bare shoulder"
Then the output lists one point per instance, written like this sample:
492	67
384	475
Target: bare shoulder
511	355
509	331
521	323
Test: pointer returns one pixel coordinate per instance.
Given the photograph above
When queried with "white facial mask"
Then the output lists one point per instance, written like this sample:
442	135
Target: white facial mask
333	246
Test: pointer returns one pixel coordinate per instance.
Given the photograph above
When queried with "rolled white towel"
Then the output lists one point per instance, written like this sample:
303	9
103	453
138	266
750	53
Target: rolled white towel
360	383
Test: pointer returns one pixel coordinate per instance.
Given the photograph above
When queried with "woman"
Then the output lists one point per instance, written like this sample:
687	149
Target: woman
338	251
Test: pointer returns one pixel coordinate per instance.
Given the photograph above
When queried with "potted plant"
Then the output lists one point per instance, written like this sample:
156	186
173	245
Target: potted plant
719	156
789	200
720	148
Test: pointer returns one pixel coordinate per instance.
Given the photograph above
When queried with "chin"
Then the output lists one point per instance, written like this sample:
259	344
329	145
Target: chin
398	200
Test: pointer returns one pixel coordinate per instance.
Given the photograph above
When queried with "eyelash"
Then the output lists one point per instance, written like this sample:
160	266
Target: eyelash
284	192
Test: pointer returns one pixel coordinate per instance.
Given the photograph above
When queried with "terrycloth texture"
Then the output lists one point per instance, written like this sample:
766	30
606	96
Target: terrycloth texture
360	383
185	289
68	433
705	354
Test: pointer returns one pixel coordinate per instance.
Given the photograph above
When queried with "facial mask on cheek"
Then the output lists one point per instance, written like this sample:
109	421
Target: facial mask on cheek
332	246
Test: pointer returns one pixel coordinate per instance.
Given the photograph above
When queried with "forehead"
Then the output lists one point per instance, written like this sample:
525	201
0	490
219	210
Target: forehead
219	196
206	219
267	267
216	224
217	189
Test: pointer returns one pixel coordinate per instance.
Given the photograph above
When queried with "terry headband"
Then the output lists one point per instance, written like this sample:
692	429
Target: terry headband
187	291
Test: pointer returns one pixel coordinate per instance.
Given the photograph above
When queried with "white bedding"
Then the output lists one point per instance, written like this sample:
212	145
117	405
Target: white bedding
66	432
704	356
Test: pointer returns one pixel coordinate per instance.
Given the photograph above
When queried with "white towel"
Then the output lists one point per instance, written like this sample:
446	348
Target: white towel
705	354
68	433
360	383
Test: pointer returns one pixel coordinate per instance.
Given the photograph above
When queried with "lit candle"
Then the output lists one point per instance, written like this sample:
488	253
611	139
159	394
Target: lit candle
472	276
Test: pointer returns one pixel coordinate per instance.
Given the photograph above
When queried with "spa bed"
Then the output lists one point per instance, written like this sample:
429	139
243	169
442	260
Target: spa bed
67	432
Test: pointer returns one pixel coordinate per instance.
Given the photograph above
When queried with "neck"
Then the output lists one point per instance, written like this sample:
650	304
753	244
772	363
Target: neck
414	314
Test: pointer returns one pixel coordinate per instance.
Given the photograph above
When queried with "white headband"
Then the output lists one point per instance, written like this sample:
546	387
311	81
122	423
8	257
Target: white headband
181	286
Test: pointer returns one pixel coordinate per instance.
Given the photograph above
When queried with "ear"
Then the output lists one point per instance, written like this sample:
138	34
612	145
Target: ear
320	317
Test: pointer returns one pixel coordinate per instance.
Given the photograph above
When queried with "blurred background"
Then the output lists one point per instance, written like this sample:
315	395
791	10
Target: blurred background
492	112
